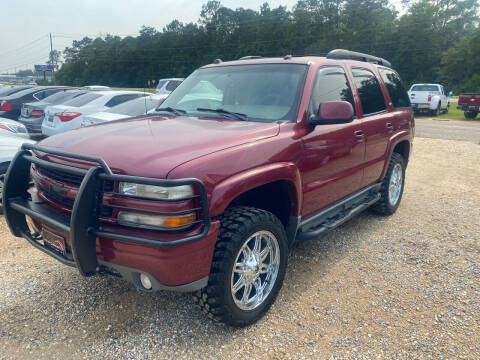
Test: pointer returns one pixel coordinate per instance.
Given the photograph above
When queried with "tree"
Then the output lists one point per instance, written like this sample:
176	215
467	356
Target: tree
54	58
24	73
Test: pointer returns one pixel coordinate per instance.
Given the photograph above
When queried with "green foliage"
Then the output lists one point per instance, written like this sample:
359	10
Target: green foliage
422	43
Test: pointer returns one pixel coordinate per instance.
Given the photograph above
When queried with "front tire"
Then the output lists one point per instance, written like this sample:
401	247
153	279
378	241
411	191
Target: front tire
248	267
391	191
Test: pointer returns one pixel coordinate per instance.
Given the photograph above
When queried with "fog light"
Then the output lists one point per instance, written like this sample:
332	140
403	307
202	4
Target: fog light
146	282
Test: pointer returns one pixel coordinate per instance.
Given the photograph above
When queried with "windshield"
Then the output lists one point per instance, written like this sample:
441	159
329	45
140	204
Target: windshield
134	107
424	88
265	92
82	100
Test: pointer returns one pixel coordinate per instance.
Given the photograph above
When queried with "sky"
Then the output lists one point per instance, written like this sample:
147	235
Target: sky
25	24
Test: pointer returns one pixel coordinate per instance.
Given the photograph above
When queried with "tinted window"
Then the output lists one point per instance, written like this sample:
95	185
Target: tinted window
119	99
60	96
172	85
83	100
369	91
424	88
395	88
331	84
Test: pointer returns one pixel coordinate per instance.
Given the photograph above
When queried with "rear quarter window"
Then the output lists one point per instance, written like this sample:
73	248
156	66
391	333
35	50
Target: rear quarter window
395	87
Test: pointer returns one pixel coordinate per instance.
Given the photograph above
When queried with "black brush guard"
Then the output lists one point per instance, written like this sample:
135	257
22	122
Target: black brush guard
83	227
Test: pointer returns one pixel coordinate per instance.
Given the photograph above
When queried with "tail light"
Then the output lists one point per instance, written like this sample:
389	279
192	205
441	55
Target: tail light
5	106
67	115
429	98
35	114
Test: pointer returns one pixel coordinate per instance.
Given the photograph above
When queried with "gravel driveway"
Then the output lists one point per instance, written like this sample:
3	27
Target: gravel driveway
403	287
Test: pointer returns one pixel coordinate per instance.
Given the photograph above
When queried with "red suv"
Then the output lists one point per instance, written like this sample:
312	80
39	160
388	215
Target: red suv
208	194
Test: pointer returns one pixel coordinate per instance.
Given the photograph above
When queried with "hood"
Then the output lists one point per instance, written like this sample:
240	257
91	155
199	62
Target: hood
152	146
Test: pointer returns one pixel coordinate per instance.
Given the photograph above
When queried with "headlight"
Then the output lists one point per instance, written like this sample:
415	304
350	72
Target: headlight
156	192
155	222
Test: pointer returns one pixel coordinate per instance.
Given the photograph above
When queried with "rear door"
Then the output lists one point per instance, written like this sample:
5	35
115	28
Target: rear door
377	122
332	161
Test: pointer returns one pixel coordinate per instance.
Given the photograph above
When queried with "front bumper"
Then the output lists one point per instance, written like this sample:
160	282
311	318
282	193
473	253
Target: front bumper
95	248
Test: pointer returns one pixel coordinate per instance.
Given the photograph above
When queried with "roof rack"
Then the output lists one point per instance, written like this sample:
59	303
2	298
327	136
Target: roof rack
341	54
250	57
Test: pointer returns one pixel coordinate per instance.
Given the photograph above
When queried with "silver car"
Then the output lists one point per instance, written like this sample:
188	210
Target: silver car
166	86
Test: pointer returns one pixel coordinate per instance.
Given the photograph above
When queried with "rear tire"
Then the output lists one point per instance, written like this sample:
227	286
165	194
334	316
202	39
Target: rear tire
435	112
241	266
3	171
391	191
470	115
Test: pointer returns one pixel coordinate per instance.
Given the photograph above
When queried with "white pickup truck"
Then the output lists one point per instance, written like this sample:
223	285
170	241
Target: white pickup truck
429	97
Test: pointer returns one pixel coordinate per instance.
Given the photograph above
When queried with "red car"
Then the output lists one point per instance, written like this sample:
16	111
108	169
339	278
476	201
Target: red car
208	194
470	104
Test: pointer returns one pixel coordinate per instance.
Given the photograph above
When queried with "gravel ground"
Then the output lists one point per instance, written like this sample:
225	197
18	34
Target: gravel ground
402	287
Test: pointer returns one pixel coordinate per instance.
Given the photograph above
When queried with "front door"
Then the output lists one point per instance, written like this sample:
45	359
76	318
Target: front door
333	154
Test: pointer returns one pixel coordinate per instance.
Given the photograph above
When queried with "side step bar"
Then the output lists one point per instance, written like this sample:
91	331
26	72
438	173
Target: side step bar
339	213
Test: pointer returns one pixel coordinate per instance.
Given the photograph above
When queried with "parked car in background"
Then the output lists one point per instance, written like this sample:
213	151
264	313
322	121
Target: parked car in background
128	109
10	106
469	104
12	89
9	146
166	86
12	127
209	194
96	88
69	116
33	113
432	98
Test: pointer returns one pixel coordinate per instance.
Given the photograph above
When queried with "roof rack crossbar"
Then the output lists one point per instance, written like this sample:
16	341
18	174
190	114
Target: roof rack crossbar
250	57
341	54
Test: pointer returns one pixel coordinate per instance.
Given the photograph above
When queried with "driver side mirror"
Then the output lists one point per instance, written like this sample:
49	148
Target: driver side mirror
333	112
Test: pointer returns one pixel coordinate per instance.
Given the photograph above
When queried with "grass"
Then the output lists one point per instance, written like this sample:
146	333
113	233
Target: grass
135	89
453	113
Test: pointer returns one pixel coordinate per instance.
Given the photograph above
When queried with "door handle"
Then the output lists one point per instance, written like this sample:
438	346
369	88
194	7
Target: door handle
359	135
389	127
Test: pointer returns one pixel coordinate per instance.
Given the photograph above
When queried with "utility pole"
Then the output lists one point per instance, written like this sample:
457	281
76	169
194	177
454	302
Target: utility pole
50	57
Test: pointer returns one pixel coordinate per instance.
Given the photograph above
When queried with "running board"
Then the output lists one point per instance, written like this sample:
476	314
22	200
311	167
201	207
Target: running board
339	213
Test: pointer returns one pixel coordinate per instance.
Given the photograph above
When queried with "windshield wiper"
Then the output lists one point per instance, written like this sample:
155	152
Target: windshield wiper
172	110
238	116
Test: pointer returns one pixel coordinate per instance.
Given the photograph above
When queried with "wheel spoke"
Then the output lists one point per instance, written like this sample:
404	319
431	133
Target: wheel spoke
258	244
246	293
239	268
264	253
239	284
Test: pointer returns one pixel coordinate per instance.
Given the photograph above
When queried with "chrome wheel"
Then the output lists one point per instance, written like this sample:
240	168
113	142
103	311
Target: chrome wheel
255	270
395	185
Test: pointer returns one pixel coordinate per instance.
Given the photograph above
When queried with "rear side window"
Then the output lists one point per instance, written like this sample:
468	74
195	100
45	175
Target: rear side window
172	85
369	91
395	88
119	99
331	84
82	100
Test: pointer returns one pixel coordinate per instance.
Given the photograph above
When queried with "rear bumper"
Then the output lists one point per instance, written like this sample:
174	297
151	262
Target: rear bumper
468	107
94	248
419	107
34	127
